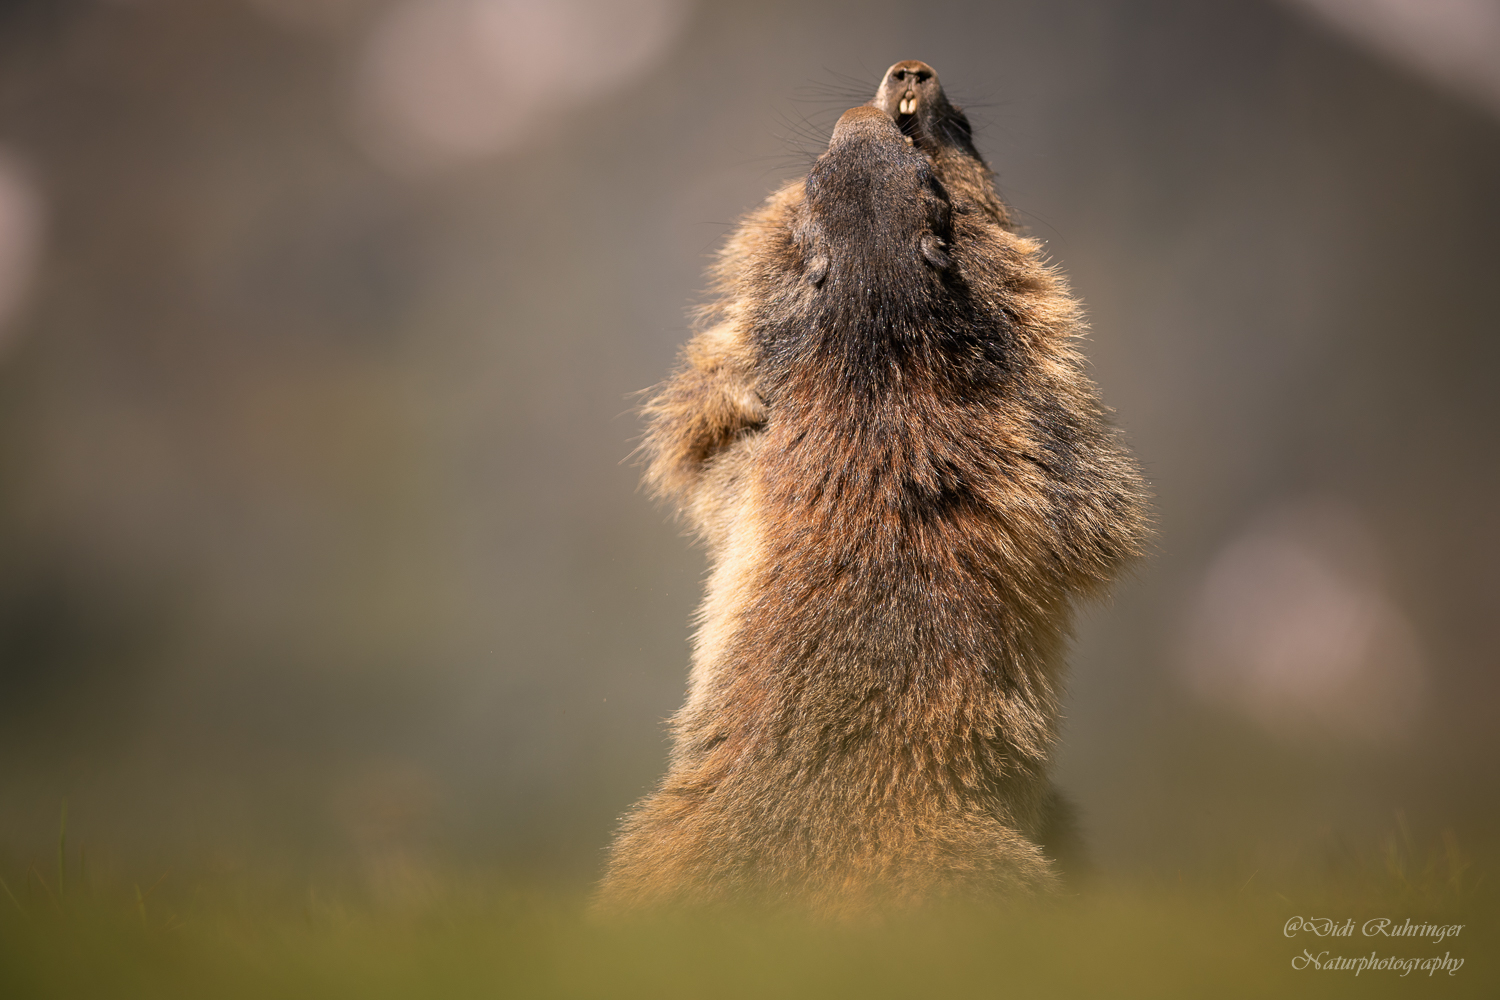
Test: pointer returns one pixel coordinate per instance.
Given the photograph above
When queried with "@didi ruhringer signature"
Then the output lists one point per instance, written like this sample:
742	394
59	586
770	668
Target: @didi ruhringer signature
1374	927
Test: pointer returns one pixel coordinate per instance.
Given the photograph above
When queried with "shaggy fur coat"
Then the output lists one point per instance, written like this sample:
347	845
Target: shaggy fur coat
905	480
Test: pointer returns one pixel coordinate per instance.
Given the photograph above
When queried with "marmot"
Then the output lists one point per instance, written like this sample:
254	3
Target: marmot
905	480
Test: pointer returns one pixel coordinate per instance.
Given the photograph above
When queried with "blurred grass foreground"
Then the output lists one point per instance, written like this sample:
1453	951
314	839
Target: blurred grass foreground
84	929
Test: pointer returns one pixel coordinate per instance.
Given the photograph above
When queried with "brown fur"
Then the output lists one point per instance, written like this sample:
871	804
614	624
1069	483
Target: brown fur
905	480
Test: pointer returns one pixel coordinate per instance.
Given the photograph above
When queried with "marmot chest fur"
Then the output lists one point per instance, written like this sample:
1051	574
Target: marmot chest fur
886	437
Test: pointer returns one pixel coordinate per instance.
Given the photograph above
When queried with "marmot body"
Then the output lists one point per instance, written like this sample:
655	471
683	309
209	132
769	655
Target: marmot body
905	480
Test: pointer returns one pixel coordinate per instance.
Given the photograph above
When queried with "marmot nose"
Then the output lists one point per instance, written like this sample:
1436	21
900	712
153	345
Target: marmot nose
898	93
911	70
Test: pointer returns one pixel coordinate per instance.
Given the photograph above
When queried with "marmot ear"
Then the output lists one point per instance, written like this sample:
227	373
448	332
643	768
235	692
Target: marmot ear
933	252
817	269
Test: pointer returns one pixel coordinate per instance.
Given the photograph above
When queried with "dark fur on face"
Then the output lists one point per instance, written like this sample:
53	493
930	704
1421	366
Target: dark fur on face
906	480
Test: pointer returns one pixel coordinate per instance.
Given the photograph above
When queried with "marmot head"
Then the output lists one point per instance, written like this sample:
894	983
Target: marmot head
875	274
876	211
911	94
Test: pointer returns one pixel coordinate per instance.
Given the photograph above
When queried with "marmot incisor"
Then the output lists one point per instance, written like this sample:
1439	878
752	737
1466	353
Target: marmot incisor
905	480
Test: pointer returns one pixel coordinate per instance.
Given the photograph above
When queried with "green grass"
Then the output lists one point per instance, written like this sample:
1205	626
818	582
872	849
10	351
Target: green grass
471	934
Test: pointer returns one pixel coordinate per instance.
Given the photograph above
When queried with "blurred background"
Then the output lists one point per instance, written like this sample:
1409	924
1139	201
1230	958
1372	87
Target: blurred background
320	322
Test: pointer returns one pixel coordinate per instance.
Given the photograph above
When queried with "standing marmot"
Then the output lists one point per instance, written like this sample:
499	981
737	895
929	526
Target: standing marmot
905	480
